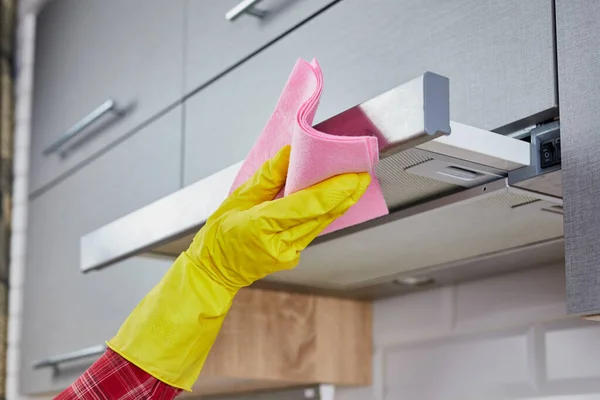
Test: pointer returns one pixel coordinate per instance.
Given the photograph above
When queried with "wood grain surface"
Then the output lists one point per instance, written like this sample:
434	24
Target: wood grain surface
274	339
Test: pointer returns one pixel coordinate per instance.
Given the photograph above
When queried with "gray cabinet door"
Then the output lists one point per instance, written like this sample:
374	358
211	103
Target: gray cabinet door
90	51
578	41
498	55
65	310
214	44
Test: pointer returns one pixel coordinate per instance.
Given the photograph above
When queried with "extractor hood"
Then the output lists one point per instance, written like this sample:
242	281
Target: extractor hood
458	196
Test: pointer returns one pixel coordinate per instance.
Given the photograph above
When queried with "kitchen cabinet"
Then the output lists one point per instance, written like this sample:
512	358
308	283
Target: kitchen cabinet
498	56
578	39
89	52
65	310
215	44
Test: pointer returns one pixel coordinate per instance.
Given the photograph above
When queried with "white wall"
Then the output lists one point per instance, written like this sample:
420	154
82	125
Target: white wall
504	337
24	84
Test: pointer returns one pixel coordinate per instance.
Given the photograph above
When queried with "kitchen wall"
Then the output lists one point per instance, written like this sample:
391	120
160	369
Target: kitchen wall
503	337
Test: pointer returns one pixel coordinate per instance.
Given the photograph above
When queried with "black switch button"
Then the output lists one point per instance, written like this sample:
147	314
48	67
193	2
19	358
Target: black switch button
547	154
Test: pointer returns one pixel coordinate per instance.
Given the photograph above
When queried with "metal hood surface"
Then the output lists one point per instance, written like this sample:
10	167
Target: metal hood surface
451	190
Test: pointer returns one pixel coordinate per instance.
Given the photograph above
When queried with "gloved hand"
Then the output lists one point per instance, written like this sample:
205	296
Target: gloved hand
251	235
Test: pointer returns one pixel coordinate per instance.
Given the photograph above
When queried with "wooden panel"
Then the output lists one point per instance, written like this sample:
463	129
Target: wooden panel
277	339
344	342
275	331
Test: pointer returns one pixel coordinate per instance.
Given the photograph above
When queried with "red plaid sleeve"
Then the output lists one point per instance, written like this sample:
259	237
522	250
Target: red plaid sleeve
114	378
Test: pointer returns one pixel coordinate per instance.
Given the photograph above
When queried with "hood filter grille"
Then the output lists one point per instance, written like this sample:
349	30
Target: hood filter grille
402	189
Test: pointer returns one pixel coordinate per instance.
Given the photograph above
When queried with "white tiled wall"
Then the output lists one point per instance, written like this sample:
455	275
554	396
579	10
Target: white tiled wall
503	337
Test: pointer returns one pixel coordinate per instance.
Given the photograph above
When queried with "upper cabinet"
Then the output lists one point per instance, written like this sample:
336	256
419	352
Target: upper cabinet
577	42
225	32
102	68
65	311
498	55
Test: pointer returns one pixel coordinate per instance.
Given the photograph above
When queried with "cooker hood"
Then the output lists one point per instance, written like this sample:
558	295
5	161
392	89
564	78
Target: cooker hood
458	196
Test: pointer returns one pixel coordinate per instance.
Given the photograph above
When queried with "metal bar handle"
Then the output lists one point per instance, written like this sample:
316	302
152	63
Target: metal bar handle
73	356
245	7
75	130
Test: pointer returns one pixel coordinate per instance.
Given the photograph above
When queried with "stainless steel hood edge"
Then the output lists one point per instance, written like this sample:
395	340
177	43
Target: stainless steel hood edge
180	213
400	118
410	114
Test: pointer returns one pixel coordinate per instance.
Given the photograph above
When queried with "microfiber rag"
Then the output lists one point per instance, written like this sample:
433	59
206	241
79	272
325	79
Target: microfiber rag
315	156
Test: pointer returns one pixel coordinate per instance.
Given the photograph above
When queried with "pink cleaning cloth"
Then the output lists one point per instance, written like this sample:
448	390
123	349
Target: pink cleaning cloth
315	155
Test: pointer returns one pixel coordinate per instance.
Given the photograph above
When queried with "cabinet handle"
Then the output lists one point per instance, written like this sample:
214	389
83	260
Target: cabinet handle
73	356
75	130
245	7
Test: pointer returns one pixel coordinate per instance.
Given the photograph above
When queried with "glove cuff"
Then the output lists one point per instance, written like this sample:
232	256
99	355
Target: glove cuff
170	333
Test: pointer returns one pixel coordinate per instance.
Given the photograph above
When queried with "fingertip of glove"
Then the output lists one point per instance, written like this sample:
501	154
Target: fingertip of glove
364	180
278	165
354	184
282	158
347	189
285	151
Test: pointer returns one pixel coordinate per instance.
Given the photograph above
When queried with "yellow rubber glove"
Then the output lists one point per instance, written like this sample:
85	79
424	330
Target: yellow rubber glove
170	333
